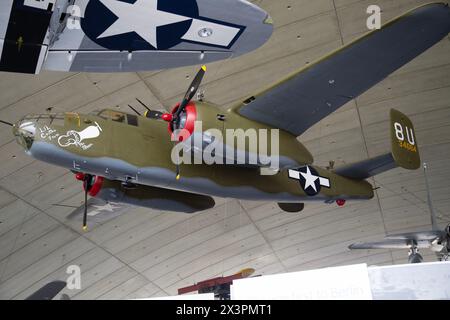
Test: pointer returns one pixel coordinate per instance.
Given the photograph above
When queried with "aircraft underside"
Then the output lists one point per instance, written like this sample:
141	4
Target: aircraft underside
290	191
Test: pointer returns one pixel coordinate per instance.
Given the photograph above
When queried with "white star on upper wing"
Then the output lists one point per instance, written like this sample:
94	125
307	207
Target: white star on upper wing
107	207
142	17
310	179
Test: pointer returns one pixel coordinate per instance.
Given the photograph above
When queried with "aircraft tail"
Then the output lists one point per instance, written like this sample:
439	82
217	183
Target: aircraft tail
404	152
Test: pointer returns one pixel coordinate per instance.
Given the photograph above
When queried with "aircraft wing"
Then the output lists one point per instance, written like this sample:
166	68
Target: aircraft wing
389	244
418	236
125	36
386	244
312	93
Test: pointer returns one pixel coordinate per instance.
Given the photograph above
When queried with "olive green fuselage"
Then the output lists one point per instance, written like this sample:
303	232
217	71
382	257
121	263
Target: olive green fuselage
138	150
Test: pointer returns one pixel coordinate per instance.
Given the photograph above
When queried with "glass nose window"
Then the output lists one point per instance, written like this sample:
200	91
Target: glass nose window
48	119
25	132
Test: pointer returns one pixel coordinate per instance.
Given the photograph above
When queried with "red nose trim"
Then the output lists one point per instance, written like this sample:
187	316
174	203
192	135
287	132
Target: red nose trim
340	202
96	186
167	117
189	126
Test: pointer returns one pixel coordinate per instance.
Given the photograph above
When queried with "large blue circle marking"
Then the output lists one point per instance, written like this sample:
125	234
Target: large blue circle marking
99	18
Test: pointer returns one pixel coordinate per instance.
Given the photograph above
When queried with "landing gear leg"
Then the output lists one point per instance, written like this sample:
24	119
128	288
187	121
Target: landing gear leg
128	184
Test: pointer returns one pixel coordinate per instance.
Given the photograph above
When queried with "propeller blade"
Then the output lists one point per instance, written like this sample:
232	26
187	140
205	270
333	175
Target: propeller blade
87	188
7	123
143	104
137	112
178	172
191	91
85	210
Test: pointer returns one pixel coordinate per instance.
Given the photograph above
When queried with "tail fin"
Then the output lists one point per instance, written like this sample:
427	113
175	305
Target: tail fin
404	152
403	138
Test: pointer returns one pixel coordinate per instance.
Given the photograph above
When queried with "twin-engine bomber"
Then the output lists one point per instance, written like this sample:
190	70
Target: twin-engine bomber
127	158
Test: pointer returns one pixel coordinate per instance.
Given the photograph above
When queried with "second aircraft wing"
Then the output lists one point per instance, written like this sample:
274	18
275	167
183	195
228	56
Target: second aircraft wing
312	93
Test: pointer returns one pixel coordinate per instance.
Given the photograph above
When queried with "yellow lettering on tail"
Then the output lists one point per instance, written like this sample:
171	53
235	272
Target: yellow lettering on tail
407	146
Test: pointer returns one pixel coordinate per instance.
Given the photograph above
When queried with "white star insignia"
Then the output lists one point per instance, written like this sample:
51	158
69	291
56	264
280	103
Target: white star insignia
310	179
107	207
142	17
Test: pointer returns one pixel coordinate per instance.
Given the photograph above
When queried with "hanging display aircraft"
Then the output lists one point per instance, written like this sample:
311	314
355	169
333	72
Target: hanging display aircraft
437	240
128	158
124	35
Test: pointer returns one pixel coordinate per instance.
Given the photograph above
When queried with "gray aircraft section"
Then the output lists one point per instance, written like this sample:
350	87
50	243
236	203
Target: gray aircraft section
145	253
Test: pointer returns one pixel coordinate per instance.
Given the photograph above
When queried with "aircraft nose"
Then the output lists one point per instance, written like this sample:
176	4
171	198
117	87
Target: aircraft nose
25	131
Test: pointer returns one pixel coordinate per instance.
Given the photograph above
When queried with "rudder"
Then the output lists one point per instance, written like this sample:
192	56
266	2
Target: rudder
405	150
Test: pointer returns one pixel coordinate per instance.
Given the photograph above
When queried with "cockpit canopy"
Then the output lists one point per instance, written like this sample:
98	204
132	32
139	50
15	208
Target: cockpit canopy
118	116
113	115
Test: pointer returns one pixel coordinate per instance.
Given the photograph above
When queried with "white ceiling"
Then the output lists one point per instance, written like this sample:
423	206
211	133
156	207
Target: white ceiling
148	253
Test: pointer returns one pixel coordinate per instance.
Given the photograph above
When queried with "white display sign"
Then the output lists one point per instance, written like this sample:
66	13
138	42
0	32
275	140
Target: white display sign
339	283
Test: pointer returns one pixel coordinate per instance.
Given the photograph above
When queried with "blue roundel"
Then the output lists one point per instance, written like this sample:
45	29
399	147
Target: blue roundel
98	18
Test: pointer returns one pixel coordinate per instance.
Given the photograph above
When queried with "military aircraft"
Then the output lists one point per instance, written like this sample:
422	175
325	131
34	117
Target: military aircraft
127	158
220	286
437	240
124	36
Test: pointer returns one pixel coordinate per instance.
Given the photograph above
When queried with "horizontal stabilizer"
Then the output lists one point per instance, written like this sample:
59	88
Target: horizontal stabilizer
367	168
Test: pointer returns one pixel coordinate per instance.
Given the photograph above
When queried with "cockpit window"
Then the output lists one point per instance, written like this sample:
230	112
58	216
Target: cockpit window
118	116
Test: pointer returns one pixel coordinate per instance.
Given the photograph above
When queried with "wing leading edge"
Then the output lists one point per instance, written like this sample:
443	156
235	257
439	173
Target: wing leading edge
312	93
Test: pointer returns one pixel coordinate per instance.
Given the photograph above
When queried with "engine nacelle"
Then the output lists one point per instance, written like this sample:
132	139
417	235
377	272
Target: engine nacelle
146	196
231	139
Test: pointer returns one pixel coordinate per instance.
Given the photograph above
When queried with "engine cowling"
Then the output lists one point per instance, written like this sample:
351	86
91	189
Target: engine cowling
187	122
93	184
